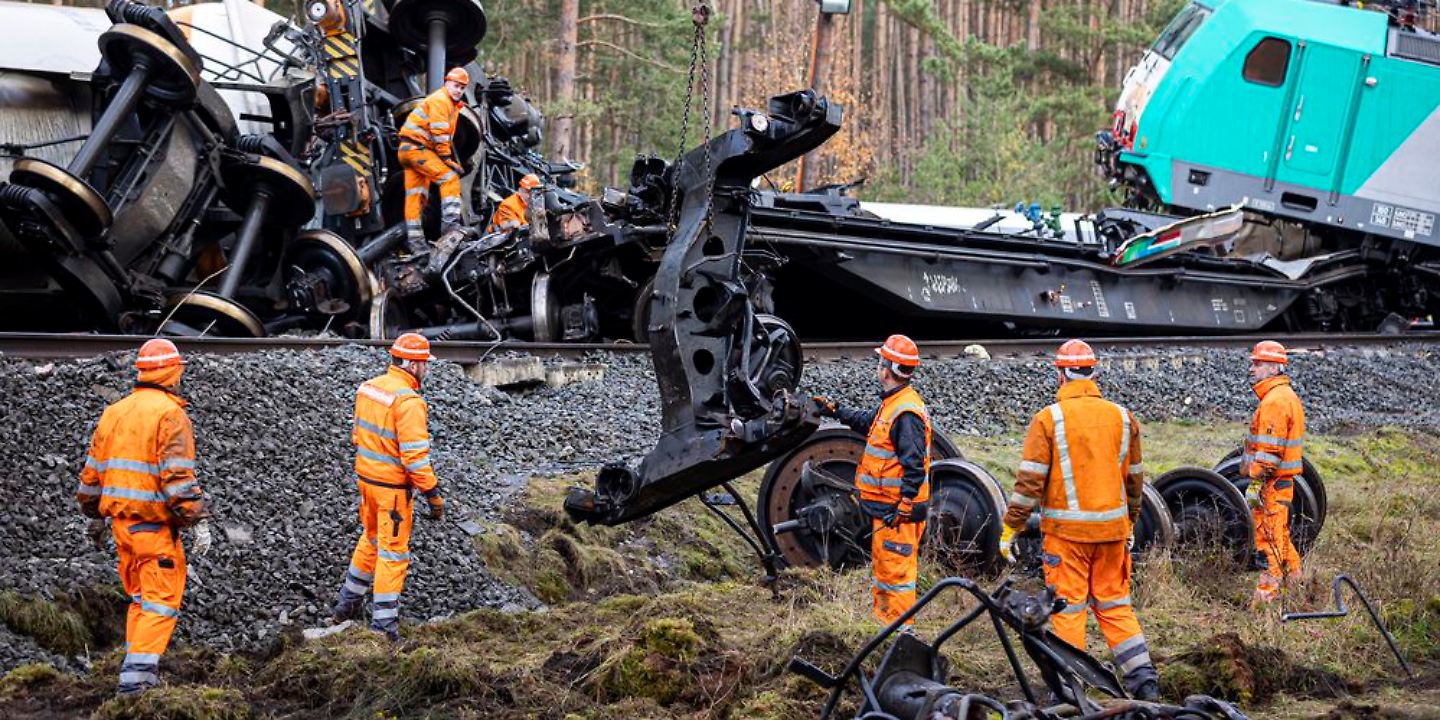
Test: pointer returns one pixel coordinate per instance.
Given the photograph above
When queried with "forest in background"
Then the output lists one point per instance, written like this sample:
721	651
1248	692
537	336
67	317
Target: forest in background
970	102
963	102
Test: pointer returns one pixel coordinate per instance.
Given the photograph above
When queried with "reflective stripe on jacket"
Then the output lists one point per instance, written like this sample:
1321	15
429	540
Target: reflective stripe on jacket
880	475
1277	429
141	462
392	444
432	123
1081	465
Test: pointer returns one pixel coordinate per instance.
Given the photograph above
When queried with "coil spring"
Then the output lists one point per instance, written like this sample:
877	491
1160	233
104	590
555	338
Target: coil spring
253	144
136	13
14	195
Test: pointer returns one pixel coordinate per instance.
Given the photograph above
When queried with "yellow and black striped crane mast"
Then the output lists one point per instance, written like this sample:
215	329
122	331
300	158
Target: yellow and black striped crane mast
349	168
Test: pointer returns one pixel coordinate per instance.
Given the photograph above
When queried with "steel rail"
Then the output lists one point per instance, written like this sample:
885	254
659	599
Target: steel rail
42	346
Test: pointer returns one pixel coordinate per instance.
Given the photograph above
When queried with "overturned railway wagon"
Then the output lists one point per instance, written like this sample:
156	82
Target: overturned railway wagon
220	170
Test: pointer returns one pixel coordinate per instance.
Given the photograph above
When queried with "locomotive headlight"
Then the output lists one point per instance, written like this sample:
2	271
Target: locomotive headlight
759	122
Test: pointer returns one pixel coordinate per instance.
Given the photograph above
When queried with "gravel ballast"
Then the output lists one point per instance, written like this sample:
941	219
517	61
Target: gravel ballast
273	428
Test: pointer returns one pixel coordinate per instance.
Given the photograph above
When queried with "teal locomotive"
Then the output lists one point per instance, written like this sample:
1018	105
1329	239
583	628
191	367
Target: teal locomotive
1322	118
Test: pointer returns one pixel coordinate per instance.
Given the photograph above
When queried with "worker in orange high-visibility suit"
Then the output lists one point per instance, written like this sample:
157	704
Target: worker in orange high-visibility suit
392	462
140	474
893	476
1271	461
510	213
1081	467
426	156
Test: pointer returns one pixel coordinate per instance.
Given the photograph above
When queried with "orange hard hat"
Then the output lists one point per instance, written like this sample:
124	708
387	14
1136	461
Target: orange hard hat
412	346
1075	354
158	353
530	181
900	350
458	74
1269	351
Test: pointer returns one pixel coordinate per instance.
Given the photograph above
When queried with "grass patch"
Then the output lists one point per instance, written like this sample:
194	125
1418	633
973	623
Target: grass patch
53	626
70	624
177	703
28	678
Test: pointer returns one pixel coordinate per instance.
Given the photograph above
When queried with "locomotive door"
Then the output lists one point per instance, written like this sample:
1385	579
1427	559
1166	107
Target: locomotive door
1318	116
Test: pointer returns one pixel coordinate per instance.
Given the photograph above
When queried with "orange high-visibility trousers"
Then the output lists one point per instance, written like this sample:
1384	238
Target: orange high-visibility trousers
152	571
894	566
1272	538
421	168
1096	576
382	552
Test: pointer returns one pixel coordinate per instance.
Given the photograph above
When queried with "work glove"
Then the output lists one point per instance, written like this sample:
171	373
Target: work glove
828	408
1007	536
901	512
437	507
203	539
1130	542
96	530
1252	494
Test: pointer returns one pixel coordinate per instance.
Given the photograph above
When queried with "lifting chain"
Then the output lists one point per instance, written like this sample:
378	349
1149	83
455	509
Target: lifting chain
699	58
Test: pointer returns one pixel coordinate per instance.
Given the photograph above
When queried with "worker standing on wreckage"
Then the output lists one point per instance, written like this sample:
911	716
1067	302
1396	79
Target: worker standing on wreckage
140	475
1271	461
893	476
1081	467
392	463
427	156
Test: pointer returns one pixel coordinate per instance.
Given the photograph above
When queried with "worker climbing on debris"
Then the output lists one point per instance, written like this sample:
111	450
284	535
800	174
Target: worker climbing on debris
1081	467
140	475
427	156
392	462
893	475
510	213
1271	461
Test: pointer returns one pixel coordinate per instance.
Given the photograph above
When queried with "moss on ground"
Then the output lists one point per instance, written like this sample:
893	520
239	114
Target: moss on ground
189	702
663	618
69	623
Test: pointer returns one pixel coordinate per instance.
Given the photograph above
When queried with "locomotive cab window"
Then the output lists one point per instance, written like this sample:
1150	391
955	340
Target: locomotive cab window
1267	62
1174	36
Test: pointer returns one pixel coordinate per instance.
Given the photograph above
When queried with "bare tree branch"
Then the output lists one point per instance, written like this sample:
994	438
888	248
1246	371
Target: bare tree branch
622	18
623	51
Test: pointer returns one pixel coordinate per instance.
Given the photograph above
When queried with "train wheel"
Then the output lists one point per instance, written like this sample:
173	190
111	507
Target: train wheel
966	507
203	314
1307	509
839	537
323	256
1208	511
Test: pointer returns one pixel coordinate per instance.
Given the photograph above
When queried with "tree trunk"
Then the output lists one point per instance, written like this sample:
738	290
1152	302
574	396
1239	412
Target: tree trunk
562	135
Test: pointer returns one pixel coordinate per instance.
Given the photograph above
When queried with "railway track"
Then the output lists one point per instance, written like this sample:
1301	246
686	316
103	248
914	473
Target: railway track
42	346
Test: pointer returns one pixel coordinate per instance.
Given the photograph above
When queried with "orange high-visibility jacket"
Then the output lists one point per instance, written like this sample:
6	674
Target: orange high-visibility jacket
1272	449
1081	465
432	124
392	444
141	463
512	209
880	474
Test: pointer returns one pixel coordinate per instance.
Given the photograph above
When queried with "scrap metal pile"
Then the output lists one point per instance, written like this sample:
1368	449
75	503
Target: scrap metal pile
225	172
220	170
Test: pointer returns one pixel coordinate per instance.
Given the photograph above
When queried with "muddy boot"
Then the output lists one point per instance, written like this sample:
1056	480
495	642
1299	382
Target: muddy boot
415	246
1149	691
1143	683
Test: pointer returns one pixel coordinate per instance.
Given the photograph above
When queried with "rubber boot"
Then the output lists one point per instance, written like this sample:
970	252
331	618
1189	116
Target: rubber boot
1143	683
